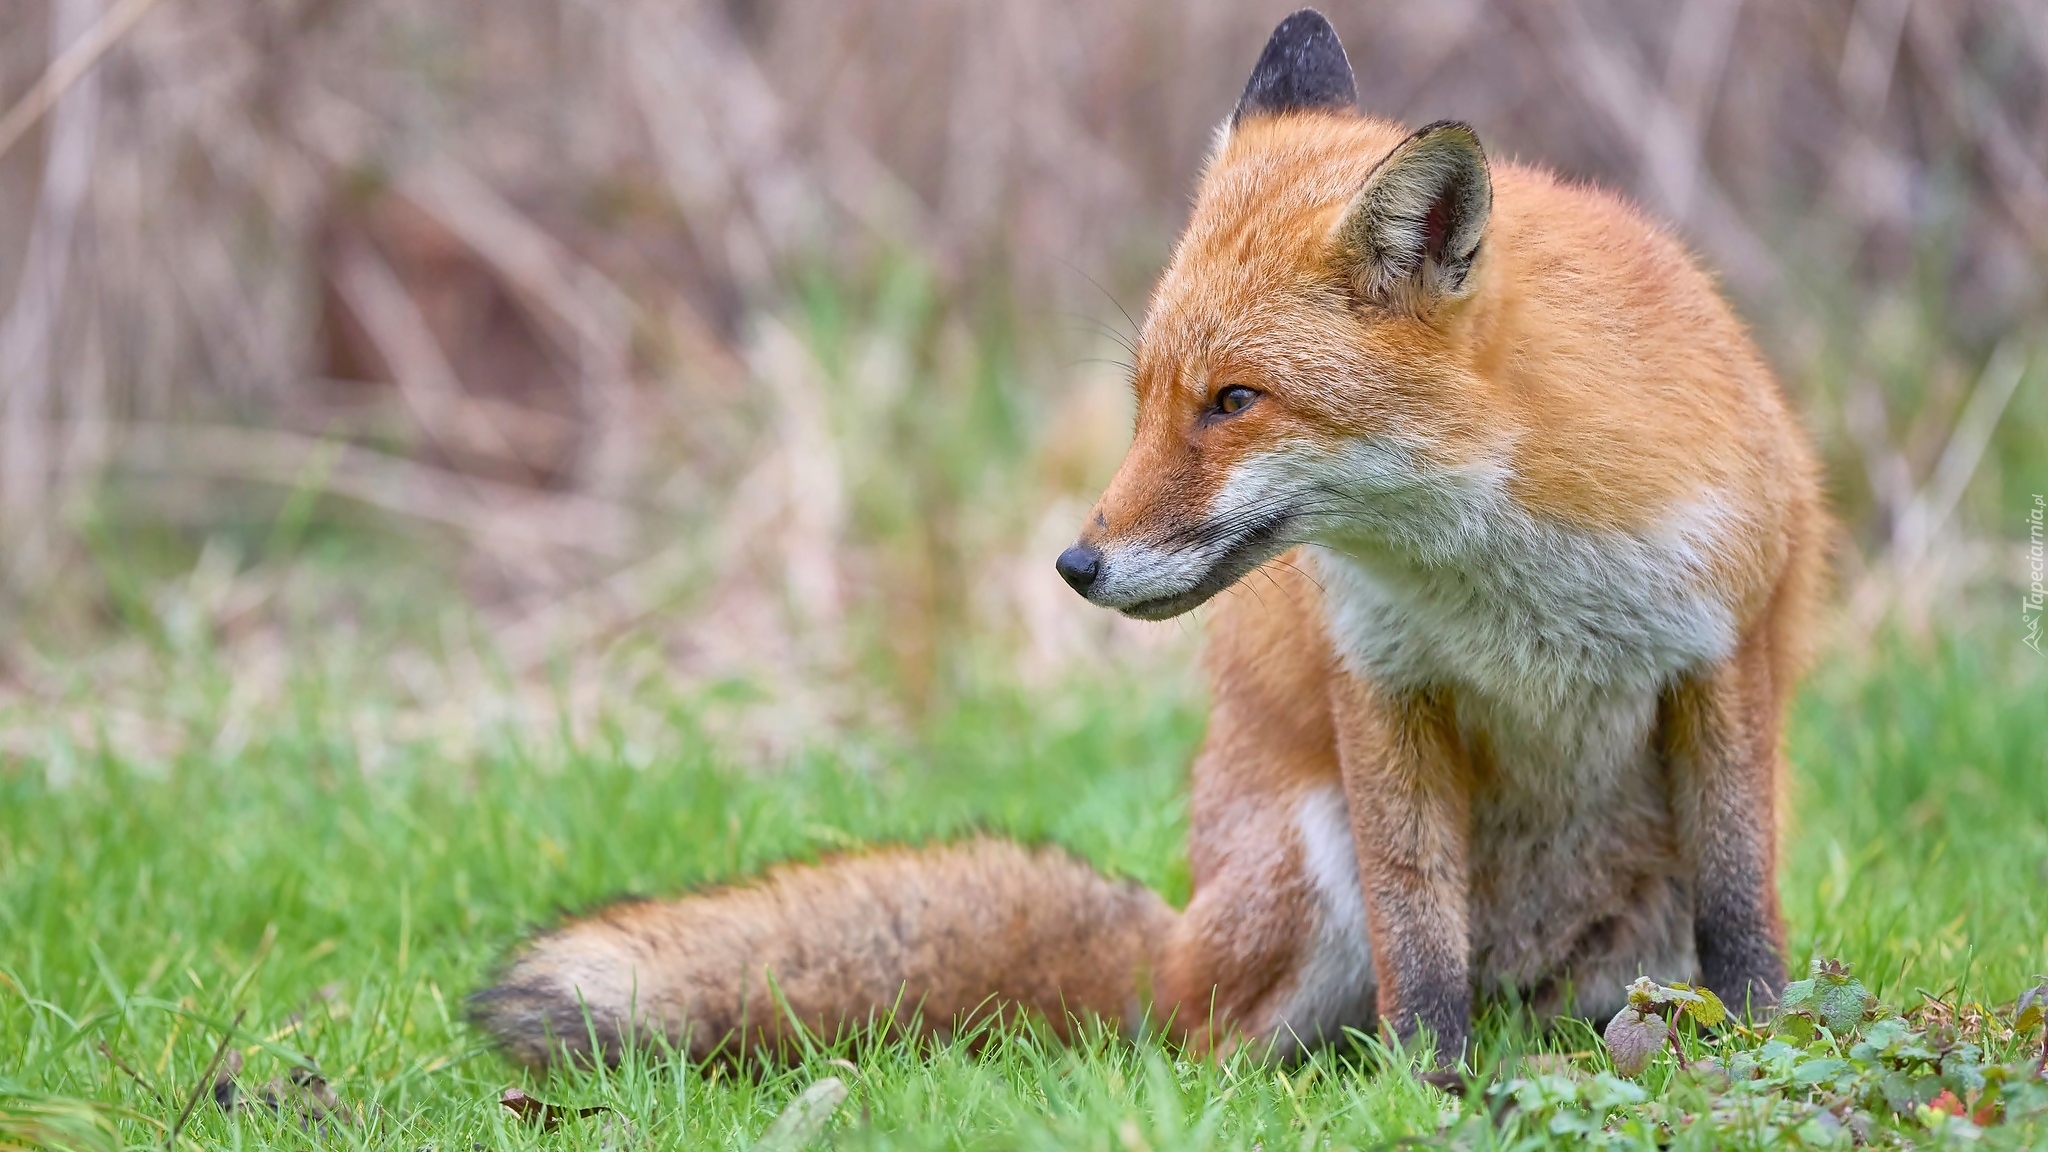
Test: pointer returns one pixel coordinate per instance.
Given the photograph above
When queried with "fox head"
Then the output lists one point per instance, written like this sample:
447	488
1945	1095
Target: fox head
1295	364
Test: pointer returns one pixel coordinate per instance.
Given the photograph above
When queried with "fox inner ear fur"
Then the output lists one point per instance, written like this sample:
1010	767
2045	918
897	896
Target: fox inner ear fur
1303	68
1411	234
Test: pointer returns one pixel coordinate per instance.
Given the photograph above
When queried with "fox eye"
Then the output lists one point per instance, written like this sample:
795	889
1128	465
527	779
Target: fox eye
1232	399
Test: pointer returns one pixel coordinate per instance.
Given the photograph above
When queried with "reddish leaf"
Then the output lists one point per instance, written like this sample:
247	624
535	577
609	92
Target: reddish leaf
1633	1038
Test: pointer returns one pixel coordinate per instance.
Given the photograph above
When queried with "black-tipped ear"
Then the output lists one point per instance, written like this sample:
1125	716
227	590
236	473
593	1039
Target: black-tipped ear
1411	234
1303	67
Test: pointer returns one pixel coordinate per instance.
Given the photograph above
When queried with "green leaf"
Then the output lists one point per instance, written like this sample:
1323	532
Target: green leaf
1841	1004
1962	1069
1797	996
1823	1131
1904	1092
1881	1040
1916	1051
1706	1009
1794	1028
1817	1070
1777	1050
1607	1093
1538	1094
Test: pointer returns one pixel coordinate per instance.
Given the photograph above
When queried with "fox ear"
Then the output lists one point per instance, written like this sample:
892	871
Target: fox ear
1411	234
1302	68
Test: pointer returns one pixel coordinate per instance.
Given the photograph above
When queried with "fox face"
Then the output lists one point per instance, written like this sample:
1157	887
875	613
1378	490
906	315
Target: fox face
1295	368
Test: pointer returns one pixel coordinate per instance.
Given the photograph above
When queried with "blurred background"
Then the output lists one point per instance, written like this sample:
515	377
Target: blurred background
504	358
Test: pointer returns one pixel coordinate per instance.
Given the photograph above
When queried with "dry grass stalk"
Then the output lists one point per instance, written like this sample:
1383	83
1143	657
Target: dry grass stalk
620	376
71	64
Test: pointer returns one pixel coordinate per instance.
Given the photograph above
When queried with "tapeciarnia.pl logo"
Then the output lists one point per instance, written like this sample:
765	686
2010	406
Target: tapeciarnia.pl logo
2037	569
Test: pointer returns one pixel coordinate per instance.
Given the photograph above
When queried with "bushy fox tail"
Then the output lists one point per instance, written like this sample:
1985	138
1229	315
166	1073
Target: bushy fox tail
960	932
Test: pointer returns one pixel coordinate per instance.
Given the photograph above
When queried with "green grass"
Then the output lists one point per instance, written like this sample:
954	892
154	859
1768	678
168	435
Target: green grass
342	913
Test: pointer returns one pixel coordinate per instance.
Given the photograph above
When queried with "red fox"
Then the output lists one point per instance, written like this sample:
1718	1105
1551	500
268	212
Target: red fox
1548	545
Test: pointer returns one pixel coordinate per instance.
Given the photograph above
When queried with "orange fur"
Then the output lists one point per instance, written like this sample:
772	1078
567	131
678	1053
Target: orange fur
900	940
1582	383
1544	544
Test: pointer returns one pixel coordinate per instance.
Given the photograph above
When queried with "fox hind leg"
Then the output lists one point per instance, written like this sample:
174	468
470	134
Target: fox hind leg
1272	952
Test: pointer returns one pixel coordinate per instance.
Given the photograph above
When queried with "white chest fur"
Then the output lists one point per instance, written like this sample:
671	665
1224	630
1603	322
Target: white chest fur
1439	576
1554	644
1553	641
1533	616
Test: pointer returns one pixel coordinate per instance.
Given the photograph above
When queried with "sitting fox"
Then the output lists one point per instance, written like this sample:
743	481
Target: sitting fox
1552	548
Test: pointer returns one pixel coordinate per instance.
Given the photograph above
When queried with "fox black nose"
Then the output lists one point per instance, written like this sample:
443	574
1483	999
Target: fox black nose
1078	566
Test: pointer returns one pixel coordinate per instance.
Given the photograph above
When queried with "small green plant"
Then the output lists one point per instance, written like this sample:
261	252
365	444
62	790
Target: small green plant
1835	1067
1641	1029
